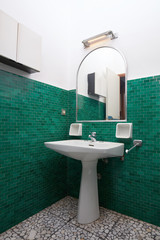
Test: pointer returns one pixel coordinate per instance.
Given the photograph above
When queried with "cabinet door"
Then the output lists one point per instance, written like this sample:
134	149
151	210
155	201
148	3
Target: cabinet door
28	48
8	36
113	94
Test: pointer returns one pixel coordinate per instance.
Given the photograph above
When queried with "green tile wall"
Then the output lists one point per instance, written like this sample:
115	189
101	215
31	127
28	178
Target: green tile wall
90	109
32	177
131	187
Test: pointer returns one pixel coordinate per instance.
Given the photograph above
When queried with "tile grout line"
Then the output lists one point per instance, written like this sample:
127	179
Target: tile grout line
65	221
32	216
17	234
78	227
113	226
86	230
63	225
96	233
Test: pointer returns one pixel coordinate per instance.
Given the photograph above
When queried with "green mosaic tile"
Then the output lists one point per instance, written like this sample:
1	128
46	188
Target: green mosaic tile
32	176
131	187
90	109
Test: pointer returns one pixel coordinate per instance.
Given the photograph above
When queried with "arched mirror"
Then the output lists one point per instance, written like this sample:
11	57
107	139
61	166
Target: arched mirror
102	86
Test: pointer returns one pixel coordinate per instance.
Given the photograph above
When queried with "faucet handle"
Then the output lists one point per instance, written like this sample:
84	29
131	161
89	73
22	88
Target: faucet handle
93	134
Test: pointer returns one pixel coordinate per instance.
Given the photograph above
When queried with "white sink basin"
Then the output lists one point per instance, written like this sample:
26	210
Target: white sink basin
88	153
85	150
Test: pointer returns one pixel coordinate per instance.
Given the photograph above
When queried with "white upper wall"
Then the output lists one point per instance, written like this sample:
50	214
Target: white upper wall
64	24
50	19
137	23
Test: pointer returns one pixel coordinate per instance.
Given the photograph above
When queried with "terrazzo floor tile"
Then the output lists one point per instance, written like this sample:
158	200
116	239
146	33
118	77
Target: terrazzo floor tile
10	235
72	232
66	208
131	229
59	222
40	226
101	226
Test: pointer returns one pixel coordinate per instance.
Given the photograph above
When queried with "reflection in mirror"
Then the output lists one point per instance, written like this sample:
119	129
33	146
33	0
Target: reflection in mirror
101	86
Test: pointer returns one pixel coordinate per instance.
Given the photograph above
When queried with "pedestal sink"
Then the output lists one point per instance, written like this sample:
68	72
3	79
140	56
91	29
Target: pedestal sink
89	153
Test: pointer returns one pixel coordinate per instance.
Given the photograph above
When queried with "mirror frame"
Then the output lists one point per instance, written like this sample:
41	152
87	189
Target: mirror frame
126	77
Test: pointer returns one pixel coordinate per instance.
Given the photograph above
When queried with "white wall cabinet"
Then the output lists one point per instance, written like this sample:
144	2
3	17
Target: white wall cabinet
28	48
8	36
19	46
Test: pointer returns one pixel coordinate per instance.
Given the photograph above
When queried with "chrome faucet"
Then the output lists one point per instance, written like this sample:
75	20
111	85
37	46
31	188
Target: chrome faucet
93	137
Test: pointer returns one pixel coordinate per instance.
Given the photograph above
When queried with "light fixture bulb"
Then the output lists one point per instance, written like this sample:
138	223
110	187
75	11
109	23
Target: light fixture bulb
98	38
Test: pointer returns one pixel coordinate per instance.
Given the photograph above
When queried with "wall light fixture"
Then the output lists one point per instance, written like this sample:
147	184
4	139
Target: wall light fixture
99	37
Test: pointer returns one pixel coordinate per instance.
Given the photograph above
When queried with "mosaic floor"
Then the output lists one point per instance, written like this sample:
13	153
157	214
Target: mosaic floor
59	222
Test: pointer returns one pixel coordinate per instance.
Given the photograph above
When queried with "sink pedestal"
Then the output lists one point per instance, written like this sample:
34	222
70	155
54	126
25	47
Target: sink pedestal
88	208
